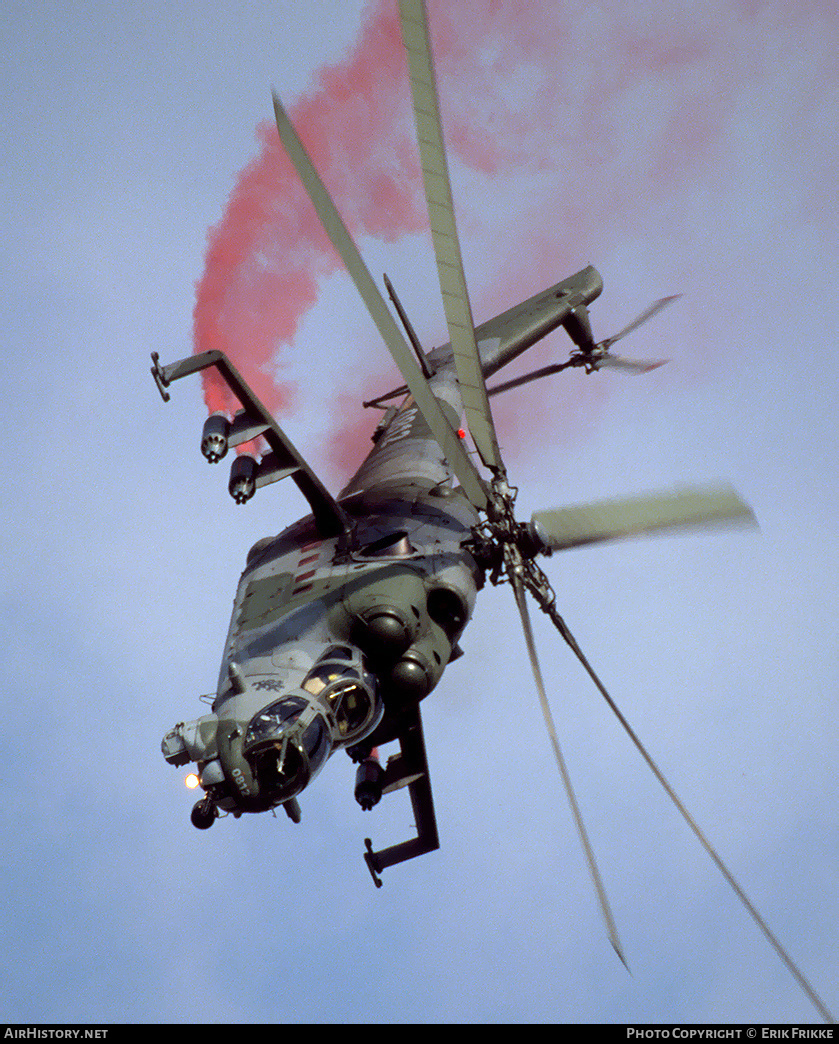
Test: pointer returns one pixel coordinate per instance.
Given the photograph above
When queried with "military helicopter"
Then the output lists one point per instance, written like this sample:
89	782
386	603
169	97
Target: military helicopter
345	621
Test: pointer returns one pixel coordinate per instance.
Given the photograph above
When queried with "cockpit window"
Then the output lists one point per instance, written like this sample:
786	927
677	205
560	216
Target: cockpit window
350	703
338	652
286	745
348	689
315	743
272	719
325	675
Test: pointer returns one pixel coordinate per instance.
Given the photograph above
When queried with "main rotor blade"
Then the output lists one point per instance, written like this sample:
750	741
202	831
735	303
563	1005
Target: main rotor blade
611	928
549	608
648	313
403	356
438	194
614	519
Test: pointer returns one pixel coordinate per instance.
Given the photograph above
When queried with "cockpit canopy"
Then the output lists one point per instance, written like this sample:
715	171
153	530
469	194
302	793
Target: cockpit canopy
287	744
342	681
272	720
288	741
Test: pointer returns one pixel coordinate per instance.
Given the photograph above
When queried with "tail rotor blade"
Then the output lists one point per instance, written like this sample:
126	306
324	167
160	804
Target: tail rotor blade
615	519
648	313
598	362
620	362
611	928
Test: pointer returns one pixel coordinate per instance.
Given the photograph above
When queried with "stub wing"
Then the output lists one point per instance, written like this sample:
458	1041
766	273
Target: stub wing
409	768
252	422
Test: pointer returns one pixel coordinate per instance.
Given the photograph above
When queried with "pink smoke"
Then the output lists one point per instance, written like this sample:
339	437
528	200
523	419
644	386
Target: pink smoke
267	257
585	126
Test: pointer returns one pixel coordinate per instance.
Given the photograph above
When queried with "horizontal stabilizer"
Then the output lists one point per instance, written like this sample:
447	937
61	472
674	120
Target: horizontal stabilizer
616	519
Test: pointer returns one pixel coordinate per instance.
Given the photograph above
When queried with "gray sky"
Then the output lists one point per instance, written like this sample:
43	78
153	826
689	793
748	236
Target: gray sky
685	148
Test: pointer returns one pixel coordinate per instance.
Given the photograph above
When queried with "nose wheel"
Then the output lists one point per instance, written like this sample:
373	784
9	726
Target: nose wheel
203	814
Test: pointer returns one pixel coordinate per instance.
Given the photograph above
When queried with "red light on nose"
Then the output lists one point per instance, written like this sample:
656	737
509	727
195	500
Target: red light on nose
461	434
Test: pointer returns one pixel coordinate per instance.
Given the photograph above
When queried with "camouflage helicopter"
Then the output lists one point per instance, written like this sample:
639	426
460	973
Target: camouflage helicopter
345	621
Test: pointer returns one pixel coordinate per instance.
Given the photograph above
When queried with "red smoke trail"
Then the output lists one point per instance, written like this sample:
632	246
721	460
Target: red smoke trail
267	257
576	128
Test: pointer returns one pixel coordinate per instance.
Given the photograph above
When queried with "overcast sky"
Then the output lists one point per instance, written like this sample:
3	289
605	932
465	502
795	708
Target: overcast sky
683	148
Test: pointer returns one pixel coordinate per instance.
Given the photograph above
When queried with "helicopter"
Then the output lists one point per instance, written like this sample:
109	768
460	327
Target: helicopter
345	621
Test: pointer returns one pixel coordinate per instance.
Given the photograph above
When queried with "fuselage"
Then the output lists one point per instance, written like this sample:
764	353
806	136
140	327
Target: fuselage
333	637
346	619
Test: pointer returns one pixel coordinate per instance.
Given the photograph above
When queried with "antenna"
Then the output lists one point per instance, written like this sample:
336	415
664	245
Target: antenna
409	330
